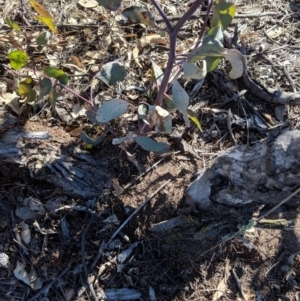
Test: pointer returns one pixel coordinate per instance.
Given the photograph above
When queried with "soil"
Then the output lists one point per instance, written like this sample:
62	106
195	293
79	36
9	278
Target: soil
71	243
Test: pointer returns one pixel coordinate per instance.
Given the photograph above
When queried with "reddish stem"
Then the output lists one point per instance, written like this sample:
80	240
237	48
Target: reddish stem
172	52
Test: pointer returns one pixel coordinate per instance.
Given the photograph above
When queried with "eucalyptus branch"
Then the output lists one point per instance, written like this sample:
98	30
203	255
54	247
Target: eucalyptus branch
172	52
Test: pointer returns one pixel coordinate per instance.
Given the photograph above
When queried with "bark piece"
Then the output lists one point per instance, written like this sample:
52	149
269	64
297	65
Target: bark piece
265	173
55	158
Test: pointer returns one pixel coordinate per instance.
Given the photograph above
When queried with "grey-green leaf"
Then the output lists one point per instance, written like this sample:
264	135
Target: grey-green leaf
43	38
111	109
92	141
112	73
151	145
45	87
190	70
181	101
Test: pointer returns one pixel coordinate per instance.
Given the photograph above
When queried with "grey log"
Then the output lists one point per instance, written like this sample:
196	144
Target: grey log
264	173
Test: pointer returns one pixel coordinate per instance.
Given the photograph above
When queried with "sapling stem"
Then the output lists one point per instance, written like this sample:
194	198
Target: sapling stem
173	32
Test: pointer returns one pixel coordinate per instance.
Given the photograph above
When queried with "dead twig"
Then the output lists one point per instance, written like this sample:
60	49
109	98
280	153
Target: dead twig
238	284
270	95
279	204
229	119
85	269
47	287
138	209
289	79
149	169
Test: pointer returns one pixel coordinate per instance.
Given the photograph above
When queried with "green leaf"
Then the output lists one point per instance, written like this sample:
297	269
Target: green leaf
45	87
181	101
57	74
111	109
18	59
112	73
203	51
43	38
151	145
43	15
193	116
112	5
192	71
212	63
12	24
223	13
53	98
91	141
26	91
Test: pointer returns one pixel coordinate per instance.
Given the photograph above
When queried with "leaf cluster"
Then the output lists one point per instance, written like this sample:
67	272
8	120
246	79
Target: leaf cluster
151	117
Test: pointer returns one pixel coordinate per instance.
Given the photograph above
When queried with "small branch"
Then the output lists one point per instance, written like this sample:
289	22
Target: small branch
187	15
278	205
48	286
238	284
163	15
237	16
137	210
74	93
208	13
270	95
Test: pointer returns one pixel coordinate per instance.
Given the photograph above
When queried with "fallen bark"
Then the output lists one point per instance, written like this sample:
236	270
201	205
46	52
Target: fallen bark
54	159
265	173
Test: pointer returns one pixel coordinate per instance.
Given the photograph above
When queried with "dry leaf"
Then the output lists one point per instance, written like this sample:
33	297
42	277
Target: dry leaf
88	3
151	39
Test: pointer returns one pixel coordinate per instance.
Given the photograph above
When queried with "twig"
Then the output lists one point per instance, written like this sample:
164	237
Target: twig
47	287
150	168
100	252
270	95
238	284
278	43
279	204
137	210
247	124
229	119
234	97
84	233
289	79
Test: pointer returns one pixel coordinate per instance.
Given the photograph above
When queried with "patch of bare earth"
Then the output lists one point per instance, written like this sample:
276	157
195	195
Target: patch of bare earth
72	248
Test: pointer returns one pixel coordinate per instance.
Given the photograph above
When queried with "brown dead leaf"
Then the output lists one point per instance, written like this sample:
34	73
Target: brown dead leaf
76	61
151	39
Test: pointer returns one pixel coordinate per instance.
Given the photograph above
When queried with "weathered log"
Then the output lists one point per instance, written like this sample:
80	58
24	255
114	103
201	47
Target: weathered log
264	173
53	157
